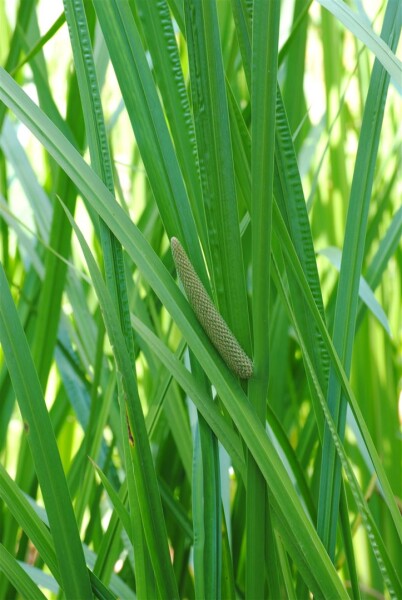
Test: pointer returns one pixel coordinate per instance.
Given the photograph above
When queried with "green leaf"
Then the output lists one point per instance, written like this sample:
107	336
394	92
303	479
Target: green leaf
18	577
363	32
145	477
211	119
43	447
334	255
148	122
264	64
352	258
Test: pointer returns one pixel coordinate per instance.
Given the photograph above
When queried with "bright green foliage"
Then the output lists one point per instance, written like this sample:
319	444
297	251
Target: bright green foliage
143	453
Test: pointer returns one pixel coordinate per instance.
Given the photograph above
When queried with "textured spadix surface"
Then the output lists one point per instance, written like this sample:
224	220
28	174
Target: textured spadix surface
207	314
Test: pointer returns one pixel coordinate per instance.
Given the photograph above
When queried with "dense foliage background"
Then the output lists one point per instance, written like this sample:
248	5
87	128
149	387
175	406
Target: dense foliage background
266	137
